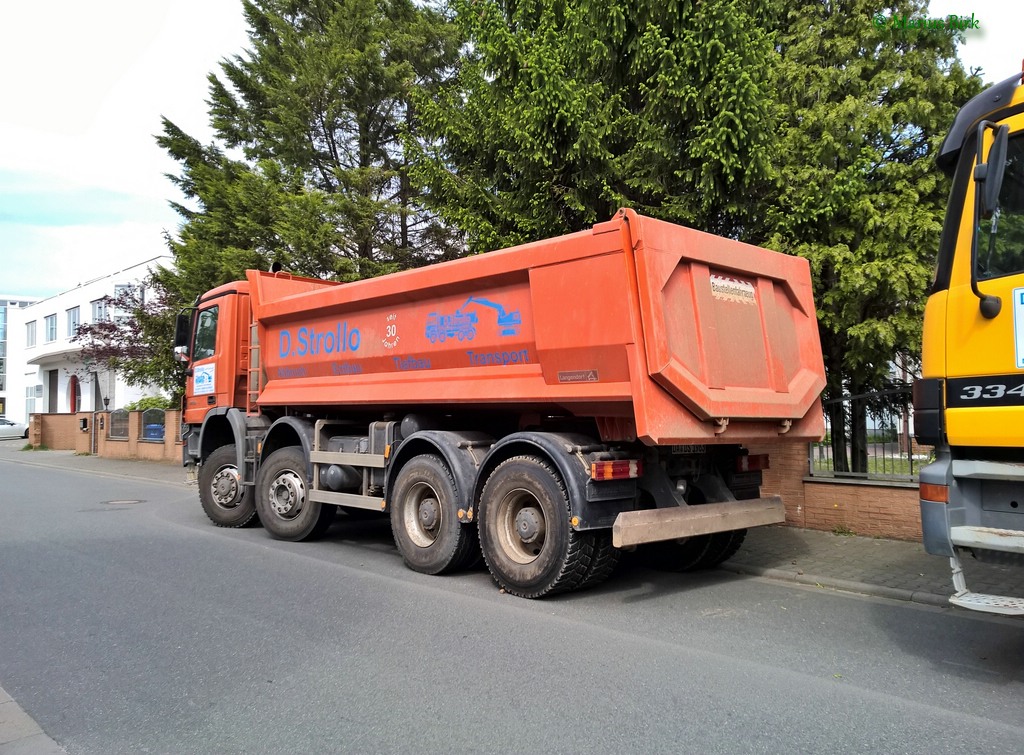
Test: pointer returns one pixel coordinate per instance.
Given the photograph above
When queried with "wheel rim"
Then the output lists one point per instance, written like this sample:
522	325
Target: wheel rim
225	487
287	495
521	525
422	515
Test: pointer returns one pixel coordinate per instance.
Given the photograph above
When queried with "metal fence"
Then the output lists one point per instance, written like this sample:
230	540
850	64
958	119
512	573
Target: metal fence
869	436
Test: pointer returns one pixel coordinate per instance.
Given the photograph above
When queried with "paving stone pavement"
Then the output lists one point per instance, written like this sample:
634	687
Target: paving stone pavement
874	566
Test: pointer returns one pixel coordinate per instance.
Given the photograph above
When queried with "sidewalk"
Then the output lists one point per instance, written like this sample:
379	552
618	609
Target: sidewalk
884	568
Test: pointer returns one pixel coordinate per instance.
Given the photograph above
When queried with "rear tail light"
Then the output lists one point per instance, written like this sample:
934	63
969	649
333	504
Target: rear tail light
624	469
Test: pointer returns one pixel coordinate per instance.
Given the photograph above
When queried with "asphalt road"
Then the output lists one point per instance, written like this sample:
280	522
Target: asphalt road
138	627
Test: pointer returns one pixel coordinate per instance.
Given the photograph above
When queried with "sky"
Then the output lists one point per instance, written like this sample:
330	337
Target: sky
84	86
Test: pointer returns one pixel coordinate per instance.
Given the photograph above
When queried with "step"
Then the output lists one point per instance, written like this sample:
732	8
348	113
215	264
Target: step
990	538
977	601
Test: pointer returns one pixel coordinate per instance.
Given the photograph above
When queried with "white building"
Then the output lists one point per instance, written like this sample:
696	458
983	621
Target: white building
45	374
7	302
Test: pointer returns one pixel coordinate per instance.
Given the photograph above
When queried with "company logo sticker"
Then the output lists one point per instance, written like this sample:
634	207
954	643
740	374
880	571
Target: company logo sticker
462	323
732	289
578	376
390	339
1018	326
203	379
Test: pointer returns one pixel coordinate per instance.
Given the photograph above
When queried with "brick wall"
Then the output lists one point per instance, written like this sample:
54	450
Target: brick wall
63	432
875	509
867	508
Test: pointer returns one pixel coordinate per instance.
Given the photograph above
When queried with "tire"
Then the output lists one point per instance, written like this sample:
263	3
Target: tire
225	500
695	553
525	495
425	521
723	547
678	556
681	555
282	498
603	562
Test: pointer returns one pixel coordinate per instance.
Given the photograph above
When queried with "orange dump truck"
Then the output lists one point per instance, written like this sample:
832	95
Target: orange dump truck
547	405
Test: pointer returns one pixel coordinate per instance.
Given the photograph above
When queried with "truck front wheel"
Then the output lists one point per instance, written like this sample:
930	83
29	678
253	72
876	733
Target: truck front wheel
525	535
425	521
225	500
282	499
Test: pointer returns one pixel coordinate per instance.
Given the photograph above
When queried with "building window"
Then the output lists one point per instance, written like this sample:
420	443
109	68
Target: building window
51	328
99	310
127	298
30	400
30	333
74	318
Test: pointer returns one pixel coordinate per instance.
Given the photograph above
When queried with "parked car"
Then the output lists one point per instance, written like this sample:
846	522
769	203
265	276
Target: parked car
10	429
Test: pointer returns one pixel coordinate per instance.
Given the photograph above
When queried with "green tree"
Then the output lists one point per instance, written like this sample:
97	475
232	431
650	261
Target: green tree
564	111
307	166
864	108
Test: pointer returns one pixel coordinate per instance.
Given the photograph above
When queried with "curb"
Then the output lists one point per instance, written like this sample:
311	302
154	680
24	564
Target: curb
19	732
845	585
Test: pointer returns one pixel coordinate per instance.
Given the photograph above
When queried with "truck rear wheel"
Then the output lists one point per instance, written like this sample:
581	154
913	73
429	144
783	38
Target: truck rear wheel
676	556
225	500
604	560
425	521
282	498
695	553
723	547
527	542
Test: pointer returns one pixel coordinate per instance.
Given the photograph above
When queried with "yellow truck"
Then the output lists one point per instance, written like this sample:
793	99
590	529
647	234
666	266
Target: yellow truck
969	402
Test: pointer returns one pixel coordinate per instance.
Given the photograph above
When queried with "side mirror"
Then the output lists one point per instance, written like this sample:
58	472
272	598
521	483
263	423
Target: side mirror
988	180
182	334
988	175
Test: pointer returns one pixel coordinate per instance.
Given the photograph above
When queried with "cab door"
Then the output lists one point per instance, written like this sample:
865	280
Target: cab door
201	387
985	356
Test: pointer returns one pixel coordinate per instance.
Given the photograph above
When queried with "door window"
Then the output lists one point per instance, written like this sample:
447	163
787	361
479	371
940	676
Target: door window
206	334
1001	238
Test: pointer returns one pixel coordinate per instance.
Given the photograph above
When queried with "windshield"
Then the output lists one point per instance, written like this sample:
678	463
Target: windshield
1001	237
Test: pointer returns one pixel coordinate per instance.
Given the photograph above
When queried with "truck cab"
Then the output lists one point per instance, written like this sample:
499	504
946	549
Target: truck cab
969	403
214	339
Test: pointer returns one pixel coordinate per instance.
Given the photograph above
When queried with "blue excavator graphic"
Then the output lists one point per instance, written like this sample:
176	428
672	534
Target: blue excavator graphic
461	324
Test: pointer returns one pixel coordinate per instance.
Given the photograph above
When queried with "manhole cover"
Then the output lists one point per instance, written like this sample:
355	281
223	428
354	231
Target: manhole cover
121	501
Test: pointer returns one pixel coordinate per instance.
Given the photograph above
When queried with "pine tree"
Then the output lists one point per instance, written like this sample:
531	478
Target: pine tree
307	167
864	108
564	111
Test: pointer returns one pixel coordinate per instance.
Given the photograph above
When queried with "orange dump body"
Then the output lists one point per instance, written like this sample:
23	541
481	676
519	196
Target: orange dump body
657	331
